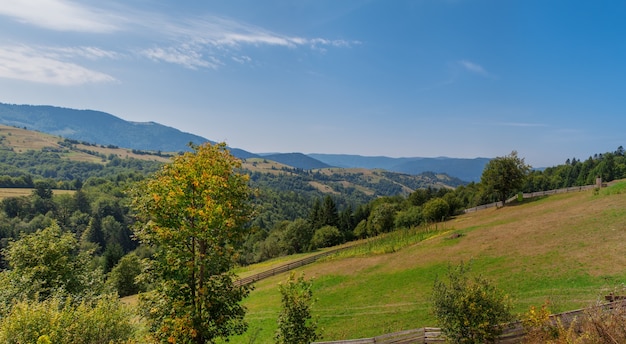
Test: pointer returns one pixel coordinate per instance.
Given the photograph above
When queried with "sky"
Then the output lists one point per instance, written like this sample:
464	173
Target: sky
397	78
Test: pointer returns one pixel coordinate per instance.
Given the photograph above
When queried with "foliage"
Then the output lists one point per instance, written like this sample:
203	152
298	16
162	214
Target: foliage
123	278
597	325
469	310
193	213
326	236
408	218
575	172
295	322
49	262
298	235
56	321
436	209
539	327
381	219
504	175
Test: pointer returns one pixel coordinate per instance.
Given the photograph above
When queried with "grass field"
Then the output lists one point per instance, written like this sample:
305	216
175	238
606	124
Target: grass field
568	249
16	192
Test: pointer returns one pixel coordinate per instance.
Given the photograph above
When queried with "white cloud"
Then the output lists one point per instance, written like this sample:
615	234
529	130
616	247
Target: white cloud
28	64
60	15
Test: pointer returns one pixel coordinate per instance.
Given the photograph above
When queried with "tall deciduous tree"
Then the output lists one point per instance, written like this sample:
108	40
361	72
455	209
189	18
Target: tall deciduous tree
505	175
194	212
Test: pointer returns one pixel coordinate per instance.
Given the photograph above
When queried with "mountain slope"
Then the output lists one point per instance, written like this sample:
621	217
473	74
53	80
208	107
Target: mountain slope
297	160
101	128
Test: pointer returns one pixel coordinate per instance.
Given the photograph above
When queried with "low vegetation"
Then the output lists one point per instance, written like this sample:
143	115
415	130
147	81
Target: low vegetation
469	309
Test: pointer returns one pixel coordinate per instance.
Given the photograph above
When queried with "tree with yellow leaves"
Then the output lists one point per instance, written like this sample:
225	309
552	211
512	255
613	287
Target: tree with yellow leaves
194	213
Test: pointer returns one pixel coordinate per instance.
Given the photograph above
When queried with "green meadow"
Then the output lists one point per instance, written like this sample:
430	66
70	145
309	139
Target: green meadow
567	249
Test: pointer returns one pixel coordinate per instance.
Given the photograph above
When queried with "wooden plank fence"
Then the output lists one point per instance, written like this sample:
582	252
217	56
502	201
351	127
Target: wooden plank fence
287	267
513	333
533	194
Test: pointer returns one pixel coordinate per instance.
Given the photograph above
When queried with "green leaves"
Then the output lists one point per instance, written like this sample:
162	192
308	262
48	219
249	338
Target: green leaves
295	322
505	175
49	262
469	310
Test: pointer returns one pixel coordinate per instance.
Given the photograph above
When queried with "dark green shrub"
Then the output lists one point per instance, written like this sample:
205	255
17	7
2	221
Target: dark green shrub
326	236
435	210
411	217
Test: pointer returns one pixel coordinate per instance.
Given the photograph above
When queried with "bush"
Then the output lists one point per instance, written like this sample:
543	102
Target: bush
411	217
597	325
60	322
469	310
326	236
435	210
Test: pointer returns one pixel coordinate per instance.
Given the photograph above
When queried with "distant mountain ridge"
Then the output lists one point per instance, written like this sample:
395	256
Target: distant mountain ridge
106	129
468	170
299	160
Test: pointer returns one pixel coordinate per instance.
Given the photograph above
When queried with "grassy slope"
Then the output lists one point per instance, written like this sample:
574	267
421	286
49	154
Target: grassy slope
568	249
22	140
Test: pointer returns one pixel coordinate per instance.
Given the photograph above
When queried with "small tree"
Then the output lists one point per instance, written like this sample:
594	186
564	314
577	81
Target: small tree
123	277
469	310
505	175
295	322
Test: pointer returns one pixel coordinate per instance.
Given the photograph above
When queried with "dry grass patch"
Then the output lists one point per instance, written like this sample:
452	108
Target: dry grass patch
17	192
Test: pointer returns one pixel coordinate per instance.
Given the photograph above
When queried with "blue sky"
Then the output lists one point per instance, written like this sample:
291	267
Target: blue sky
399	78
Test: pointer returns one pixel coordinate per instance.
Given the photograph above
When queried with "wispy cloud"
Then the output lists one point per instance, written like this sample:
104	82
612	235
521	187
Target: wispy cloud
182	55
520	124
475	68
40	66
208	37
91	53
60	15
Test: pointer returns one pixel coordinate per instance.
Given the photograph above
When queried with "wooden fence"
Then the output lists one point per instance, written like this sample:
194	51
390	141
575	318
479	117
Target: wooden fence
533	194
513	333
287	267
